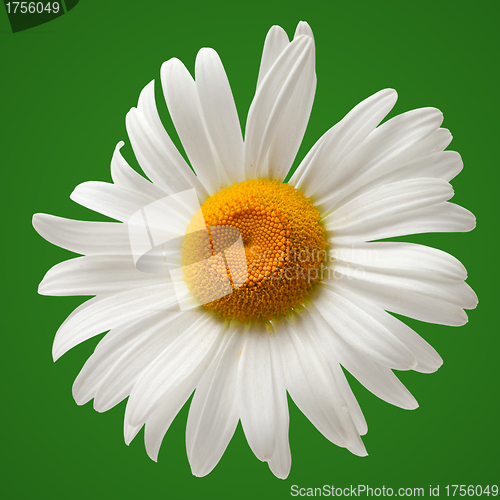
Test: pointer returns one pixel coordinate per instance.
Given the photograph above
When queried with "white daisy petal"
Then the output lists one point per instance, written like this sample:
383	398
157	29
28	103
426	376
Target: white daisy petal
435	287
404	207
213	415
441	165
181	363
106	354
126	177
110	312
89	378
281	460
290	131
185	109
439	140
109	199
219	112
160	420
271	100
158	423
359	329
293	123
436	165
303	28
377	378
97	275
130	431
427	357
436	300
442	217
313	388
83	237
395	170
256	401
402	257
120	379
428	360
444	165
155	151
310	158
315	174
275	43
317	328
396	142
386	201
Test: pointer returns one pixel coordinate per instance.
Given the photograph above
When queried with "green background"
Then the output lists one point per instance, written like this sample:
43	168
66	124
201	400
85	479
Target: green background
65	89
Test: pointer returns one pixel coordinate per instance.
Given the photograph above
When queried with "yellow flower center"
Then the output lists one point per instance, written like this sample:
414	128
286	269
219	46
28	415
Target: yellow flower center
283	251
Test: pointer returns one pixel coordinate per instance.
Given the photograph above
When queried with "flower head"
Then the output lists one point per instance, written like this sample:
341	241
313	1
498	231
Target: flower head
223	280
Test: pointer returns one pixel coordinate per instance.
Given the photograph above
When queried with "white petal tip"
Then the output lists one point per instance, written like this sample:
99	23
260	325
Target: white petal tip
279	476
434	111
39	221
75	195
388	96
80	399
265	454
280	472
431	367
363	453
130	115
129	434
149	88
303	28
35	220
412	364
207	51
200	473
98	408
462	320
56	353
128	437
167	65
392	93
277	28
357	448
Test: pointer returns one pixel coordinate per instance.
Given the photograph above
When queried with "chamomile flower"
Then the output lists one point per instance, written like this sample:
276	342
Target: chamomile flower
308	290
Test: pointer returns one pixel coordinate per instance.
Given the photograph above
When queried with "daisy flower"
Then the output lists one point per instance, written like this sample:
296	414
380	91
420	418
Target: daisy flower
308	290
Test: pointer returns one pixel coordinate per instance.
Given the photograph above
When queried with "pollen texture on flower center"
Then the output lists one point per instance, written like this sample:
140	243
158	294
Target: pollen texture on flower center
281	256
